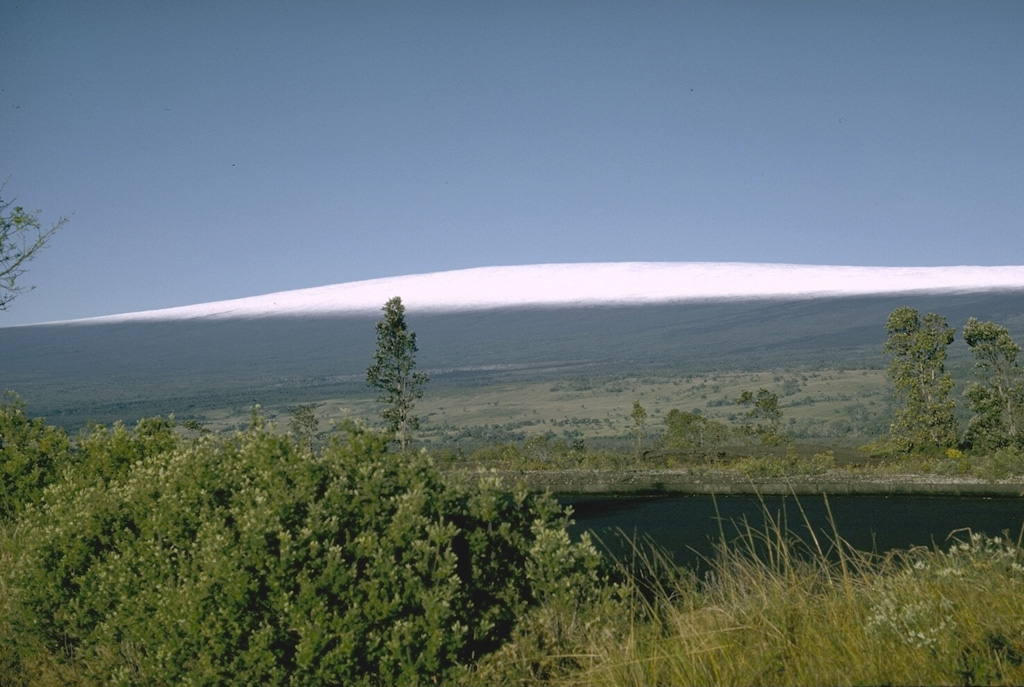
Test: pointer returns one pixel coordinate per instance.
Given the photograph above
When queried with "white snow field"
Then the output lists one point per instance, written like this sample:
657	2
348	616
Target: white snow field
615	283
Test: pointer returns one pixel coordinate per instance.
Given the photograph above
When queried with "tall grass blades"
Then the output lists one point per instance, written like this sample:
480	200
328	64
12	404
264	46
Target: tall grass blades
778	608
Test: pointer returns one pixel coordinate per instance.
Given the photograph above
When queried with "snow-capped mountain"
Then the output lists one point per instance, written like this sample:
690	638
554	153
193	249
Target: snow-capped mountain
488	326
595	284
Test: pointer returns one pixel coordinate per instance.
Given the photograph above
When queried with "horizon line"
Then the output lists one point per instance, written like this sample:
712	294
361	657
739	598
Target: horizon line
588	283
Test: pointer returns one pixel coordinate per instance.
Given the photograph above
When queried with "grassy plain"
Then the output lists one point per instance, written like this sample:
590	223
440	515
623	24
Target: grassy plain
845	407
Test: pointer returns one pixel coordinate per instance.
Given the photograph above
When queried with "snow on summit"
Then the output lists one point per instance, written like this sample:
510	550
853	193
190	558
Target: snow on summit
596	284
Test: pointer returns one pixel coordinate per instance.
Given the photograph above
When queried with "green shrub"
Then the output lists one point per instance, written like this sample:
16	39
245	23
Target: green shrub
694	434
791	464
31	454
1004	463
248	560
107	453
34	454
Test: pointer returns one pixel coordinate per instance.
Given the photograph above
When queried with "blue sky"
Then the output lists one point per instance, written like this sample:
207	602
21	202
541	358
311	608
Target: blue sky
213	150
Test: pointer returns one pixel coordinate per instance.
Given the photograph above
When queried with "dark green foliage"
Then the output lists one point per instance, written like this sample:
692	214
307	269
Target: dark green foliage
694	433
304	424
392	372
997	397
106	454
639	416
1001	464
249	560
31	455
764	419
923	420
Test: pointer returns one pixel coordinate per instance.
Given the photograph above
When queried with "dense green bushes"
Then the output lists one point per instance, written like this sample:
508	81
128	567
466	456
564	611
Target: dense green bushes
34	455
31	452
250	560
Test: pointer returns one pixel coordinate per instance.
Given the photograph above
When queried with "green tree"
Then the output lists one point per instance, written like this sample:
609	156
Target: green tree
923	419
639	416
997	397
694	433
304	424
765	415
392	372
21	237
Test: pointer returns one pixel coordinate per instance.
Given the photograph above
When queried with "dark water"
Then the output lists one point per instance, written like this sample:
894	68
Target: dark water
687	526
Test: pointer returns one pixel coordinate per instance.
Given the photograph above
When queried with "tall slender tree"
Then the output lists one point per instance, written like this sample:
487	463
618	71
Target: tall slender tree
923	420
997	395
304	425
639	416
392	372
765	415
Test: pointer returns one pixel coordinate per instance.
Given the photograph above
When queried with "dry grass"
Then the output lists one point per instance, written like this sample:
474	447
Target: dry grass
779	609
